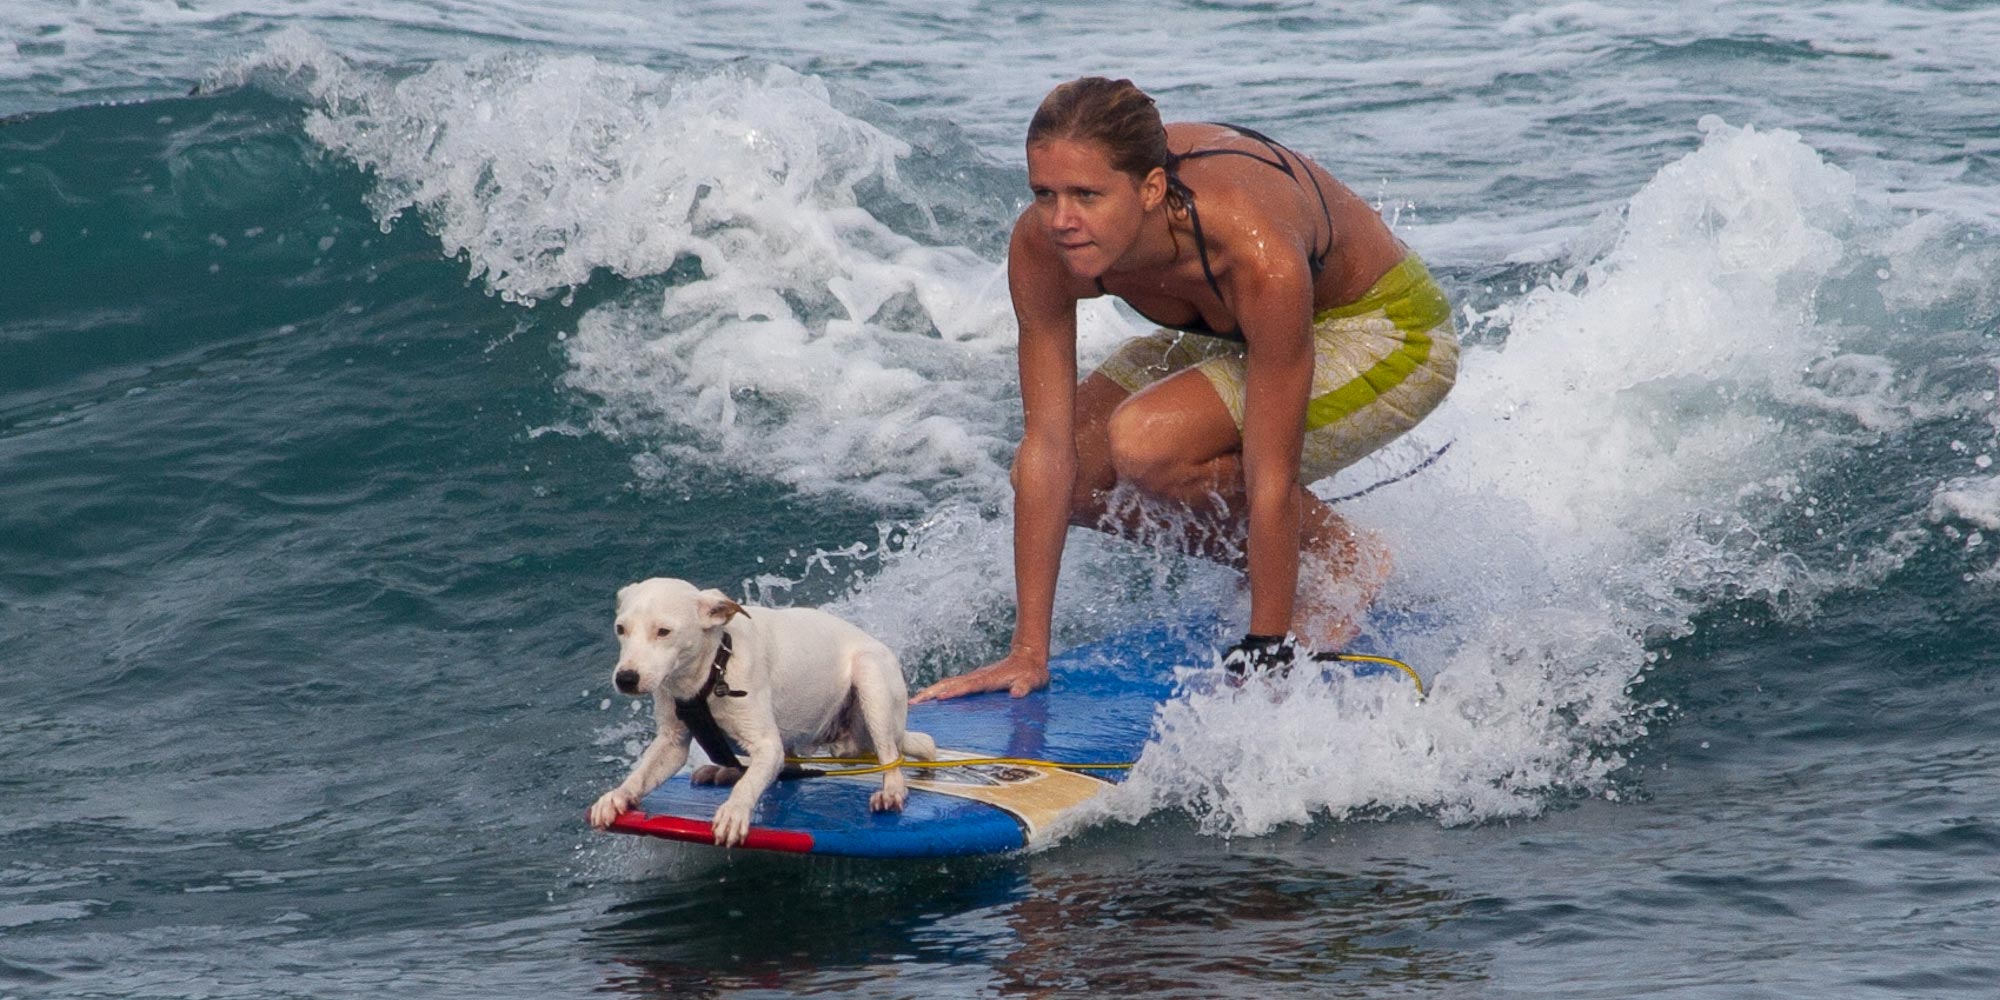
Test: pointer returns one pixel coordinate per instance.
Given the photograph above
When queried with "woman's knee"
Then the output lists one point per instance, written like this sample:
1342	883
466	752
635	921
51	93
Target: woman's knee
1145	451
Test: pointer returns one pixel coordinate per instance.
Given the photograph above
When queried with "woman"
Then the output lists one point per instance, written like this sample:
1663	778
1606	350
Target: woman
1298	336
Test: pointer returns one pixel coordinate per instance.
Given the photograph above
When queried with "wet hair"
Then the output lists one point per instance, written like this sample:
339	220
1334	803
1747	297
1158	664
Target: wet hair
1114	114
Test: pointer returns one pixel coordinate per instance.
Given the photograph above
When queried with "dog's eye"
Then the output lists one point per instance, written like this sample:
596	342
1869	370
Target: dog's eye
662	633
620	627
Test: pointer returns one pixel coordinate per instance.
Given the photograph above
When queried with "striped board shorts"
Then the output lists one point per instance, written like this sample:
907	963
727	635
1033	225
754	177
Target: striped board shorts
1380	365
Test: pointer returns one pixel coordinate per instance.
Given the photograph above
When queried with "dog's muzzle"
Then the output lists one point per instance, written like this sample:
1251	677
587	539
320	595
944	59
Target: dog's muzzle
627	681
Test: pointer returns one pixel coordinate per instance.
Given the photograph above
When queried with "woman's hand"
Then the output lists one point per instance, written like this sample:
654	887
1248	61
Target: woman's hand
1022	670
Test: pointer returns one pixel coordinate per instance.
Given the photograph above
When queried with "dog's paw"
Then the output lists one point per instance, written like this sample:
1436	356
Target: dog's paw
608	806
715	774
731	823
885	800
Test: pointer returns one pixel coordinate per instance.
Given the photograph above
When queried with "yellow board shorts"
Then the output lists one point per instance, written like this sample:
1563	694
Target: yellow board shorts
1380	365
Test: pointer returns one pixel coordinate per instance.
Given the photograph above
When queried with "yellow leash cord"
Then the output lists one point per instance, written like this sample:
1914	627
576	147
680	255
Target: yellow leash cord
1415	678
930	764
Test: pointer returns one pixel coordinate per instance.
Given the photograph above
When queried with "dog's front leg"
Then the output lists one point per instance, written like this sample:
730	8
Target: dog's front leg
766	750
663	757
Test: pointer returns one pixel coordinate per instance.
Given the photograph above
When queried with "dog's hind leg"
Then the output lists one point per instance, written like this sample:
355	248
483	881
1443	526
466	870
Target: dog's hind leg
885	708
715	774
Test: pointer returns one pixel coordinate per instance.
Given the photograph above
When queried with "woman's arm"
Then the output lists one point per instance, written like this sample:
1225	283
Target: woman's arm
1045	465
1273	294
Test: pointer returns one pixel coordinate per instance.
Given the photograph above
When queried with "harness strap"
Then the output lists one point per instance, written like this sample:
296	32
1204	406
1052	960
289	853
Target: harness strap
696	714
717	683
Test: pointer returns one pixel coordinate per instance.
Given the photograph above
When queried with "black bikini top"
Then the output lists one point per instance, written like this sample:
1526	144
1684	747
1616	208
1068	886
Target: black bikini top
1278	160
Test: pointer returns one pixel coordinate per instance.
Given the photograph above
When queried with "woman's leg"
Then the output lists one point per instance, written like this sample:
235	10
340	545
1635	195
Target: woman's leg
1097	397
1175	441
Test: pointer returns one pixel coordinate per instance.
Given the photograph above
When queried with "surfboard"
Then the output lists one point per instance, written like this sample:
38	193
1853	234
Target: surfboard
1097	711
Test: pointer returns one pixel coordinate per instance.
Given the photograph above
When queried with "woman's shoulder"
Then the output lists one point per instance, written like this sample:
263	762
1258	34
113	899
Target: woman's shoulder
1186	137
1208	155
1233	176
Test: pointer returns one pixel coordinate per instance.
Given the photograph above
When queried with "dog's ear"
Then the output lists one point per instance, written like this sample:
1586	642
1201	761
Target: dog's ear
716	609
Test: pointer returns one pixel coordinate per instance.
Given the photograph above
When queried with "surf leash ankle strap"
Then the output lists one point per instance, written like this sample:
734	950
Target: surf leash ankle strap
1260	653
1277	654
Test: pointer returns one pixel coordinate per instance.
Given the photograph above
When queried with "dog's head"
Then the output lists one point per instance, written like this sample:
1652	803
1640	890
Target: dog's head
662	626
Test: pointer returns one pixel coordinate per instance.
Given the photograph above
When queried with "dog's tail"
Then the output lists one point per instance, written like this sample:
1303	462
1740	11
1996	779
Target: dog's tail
917	746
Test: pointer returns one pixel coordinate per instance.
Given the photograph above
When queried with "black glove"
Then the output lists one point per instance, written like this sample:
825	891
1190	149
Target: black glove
1261	654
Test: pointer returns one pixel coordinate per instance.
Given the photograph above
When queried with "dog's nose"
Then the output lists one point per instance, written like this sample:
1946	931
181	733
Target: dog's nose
627	681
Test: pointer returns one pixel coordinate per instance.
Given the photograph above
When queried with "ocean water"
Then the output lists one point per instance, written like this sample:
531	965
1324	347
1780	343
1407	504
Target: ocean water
352	356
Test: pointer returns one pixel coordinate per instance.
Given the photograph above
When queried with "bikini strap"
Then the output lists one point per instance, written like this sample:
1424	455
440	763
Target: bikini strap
1186	195
1277	161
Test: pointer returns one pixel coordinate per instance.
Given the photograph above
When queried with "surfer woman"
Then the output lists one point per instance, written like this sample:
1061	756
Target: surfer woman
1298	335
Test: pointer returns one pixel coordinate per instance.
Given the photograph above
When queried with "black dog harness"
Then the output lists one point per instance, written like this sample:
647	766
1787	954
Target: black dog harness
695	714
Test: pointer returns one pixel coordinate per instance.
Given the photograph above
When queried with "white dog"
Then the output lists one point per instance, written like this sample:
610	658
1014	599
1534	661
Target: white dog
778	679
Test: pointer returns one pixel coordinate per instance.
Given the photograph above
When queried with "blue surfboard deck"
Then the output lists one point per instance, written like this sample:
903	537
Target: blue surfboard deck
1098	709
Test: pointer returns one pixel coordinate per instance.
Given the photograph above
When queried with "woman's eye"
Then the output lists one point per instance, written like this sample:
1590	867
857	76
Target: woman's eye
662	633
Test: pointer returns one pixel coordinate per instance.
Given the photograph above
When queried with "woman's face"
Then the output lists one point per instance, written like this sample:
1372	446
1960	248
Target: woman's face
1090	210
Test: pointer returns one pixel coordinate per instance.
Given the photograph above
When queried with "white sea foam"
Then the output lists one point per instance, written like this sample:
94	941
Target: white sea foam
1616	462
1973	500
1933	259
798	338
1633	435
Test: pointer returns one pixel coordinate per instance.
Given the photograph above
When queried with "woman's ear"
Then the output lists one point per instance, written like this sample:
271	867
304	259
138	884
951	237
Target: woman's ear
1153	188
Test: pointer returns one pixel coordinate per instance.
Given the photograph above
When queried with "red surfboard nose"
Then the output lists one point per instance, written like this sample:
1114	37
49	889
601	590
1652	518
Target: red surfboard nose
696	831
